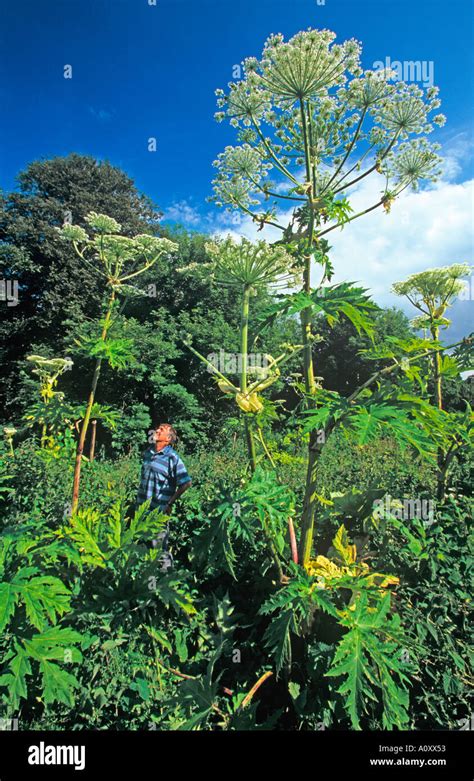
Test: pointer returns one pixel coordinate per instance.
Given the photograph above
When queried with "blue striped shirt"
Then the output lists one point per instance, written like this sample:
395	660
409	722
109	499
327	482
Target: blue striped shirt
162	473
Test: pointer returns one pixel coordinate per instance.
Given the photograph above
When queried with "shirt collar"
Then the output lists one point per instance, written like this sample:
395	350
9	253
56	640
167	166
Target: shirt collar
166	450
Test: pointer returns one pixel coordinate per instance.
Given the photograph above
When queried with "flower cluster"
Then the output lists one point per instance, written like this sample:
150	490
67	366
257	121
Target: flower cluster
101	223
414	160
308	111
247	263
113	251
443	282
244	102
241	170
306	66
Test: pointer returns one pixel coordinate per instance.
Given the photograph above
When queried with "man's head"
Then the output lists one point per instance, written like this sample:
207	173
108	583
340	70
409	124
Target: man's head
164	434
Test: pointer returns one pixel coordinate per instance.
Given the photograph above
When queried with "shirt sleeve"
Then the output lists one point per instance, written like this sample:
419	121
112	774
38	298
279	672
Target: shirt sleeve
181	472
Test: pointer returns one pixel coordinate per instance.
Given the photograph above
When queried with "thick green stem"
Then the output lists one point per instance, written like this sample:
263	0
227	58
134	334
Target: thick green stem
438	399
264	445
273	551
244	338
307	519
250	444
45	396
86	419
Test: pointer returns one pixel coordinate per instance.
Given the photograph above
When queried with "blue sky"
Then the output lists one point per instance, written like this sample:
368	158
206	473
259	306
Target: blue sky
141	71
148	69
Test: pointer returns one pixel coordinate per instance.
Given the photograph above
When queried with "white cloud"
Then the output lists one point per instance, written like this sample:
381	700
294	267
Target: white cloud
457	152
183	212
101	114
424	229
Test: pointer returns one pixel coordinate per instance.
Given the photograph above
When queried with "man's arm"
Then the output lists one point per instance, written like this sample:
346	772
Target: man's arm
180	490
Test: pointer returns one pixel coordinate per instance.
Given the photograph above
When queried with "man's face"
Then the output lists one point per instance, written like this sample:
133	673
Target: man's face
162	434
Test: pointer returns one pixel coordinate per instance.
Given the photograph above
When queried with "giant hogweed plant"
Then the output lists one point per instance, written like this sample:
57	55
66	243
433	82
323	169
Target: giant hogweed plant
369	656
379	407
116	260
255	514
56	417
49	587
432	292
50	411
311	126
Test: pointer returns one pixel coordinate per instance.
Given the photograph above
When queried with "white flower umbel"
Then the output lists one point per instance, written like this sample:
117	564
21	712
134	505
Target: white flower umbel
307	112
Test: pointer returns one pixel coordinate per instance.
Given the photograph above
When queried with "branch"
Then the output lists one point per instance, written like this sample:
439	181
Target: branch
272	154
256	218
356	164
255	687
396	365
140	270
361	214
373	168
214	370
351	146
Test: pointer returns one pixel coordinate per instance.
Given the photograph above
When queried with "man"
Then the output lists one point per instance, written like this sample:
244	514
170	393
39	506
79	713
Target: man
163	479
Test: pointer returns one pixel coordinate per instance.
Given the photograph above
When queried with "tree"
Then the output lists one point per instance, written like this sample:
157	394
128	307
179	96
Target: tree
339	355
51	281
308	113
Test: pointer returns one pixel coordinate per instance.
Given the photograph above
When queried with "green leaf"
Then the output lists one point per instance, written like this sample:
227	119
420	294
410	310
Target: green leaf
367	656
8	600
172	592
45	597
15	680
84	528
58	684
160	637
277	639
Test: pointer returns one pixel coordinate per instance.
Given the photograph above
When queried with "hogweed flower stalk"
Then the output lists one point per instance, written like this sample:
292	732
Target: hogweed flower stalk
312	124
9	432
432	292
48	370
117	260
248	267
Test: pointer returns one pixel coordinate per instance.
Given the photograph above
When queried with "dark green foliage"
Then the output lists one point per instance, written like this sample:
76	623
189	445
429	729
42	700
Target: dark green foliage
435	599
337	357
